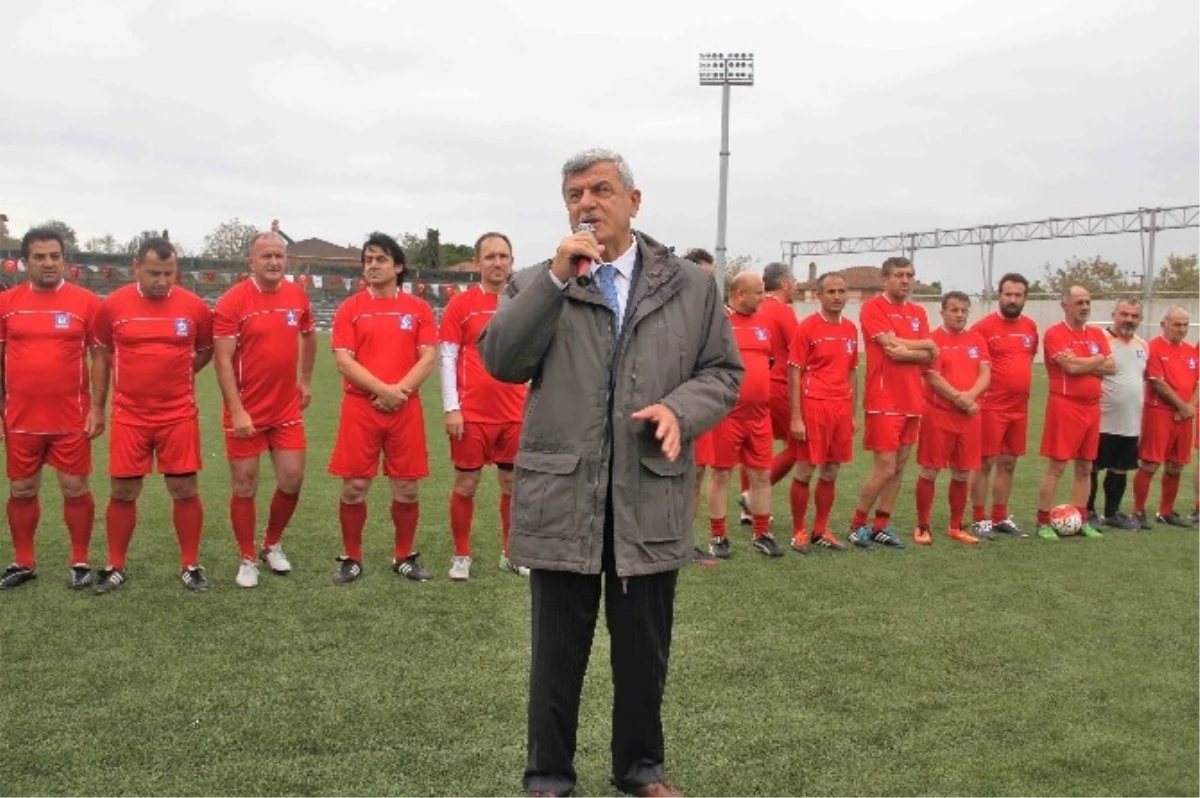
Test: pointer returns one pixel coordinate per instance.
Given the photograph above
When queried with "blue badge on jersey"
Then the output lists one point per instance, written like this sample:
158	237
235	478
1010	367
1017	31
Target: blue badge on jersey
406	321
760	333
1141	353
61	321
1093	348
849	347
1192	363
181	327
916	324
1029	342
973	352
291	318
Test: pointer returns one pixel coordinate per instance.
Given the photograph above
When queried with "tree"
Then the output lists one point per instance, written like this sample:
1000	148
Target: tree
1180	276
134	244
106	244
229	240
65	230
3	226
450	254
1098	276
414	248
734	267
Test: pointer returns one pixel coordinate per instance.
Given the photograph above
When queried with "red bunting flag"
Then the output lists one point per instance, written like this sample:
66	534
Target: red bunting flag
74	272
10	265
303	279
243	277
106	272
421	289
362	284
210	277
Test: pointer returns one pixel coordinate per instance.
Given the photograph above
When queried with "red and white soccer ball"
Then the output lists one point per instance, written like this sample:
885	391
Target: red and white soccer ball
1066	520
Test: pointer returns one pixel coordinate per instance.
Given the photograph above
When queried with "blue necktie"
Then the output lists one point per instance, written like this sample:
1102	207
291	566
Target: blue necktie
606	281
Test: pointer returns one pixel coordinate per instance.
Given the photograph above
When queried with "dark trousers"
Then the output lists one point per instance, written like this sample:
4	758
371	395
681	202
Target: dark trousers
639	612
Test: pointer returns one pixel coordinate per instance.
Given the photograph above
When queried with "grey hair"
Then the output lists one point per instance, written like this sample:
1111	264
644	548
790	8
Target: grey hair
254	239
1128	300
582	161
774	274
1066	292
1171	311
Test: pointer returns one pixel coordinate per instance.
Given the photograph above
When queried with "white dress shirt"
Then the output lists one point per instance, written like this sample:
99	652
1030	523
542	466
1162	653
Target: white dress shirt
624	266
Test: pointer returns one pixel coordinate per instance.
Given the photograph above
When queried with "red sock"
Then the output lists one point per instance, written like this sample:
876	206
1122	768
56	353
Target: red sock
353	518
120	519
798	496
958	502
716	527
881	520
782	465
762	525
505	520
404	518
825	493
241	516
23	517
999	513
1170	489
283	505
1043	517
462	508
1141	490
79	516
189	525
925	491
978	512
745	480
860	519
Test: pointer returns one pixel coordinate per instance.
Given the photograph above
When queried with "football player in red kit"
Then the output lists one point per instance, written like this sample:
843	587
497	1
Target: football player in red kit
1167	418
264	347
744	436
951	428
1076	357
155	336
385	346
824	397
1011	338
896	332
48	415
483	415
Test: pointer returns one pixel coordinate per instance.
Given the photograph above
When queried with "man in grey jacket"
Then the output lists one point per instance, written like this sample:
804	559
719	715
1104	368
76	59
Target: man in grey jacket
627	366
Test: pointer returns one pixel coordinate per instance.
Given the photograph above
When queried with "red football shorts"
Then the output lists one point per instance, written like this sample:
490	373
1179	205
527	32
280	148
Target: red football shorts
67	454
781	413
743	439
1004	432
950	440
132	449
1071	430
705	456
887	433
283	437
485	444
1165	440
829	428
364	433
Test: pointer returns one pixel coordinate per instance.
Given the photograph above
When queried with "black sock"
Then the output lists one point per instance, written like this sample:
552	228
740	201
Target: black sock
1091	505
1114	491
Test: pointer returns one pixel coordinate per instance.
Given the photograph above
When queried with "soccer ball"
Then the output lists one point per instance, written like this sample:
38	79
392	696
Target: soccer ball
1065	520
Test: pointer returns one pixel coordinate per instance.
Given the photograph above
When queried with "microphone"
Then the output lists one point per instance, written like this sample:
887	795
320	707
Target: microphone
583	265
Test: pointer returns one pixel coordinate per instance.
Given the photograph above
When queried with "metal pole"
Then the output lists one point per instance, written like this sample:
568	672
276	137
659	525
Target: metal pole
991	274
723	197
1148	283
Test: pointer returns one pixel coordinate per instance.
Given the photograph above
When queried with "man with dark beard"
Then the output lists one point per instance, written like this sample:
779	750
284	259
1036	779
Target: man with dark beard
1012	342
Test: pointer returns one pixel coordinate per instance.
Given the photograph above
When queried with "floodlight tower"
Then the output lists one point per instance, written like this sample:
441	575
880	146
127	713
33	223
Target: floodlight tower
725	70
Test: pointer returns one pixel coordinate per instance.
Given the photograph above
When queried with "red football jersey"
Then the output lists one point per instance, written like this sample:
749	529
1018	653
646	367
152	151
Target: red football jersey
959	357
152	341
781	321
890	387
481	397
1088	342
384	335
826	355
1175	364
754	342
46	335
267	326
1011	347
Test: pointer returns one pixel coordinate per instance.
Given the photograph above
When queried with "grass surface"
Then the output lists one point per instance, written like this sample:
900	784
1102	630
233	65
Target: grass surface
1016	667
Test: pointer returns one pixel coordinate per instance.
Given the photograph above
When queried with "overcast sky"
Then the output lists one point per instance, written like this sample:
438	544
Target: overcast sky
867	117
